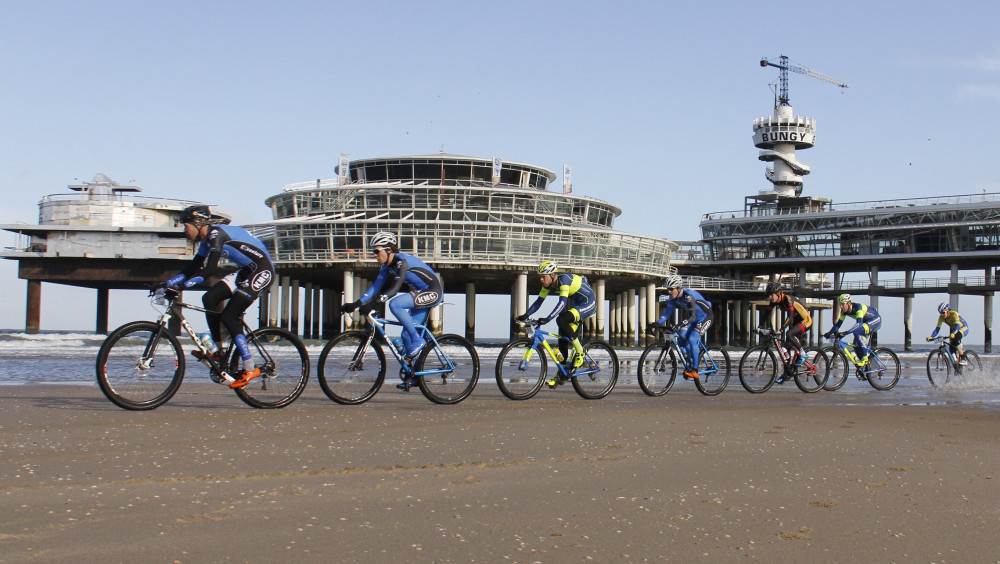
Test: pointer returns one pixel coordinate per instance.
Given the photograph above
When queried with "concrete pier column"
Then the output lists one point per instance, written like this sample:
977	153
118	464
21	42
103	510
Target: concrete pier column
307	311
360	286
331	313
435	318
350	322
907	323
285	282
988	323
470	312
33	307
102	310
262	305
274	304
643	311
293	313
953	297
873	292
754	323
518	301
317	313
630	330
601	316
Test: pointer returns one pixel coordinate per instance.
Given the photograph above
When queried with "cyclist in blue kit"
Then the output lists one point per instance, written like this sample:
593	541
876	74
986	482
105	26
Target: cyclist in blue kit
867	322
253	277
576	303
399	272
699	318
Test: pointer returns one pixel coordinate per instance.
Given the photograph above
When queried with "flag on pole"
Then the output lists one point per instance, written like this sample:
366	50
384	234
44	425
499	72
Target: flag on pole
567	179
344	169
497	165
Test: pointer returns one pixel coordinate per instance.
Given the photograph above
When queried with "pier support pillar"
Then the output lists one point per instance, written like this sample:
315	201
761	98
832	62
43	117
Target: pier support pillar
908	323
293	314
988	323
630	333
351	321
102	310
601	315
307	313
470	312
33	307
274	304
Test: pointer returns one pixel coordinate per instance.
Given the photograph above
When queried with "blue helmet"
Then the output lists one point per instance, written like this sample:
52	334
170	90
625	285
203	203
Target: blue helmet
943	307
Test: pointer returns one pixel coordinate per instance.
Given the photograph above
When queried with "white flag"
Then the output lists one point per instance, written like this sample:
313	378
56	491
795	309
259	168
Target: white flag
497	165
344	169
567	179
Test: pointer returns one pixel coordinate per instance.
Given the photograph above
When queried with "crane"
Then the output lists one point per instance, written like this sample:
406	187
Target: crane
783	65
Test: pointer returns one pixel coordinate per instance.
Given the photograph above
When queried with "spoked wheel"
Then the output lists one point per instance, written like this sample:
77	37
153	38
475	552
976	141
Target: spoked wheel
758	369
712	383
140	366
347	374
812	374
520	369
839	369
657	370
284	369
454	364
884	378
938	368
972	363
599	372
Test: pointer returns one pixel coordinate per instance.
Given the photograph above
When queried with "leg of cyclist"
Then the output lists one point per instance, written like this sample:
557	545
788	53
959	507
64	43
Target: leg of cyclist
956	346
248	289
568	323
691	338
403	306
794	343
212	299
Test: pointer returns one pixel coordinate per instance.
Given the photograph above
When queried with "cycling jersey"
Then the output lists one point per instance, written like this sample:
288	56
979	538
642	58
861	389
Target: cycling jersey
573	291
235	244
407	272
692	303
862	313
797	313
956	323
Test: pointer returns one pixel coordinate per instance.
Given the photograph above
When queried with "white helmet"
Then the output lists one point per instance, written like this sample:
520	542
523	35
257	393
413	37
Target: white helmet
384	239
548	267
673	281
845	299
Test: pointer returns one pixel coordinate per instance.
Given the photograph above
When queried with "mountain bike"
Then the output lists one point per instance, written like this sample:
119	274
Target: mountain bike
881	370
658	365
141	364
942	361
352	365
521	368
759	366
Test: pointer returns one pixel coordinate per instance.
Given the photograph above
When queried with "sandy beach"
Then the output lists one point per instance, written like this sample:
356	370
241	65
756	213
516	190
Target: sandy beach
829	477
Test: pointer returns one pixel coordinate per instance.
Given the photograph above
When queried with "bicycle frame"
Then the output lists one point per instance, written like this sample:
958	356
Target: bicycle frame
540	336
174	308
376	326
945	346
774	336
875	364
672	339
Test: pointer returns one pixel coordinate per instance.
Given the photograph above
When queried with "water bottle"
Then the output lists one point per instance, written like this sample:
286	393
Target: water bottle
206	341
398	343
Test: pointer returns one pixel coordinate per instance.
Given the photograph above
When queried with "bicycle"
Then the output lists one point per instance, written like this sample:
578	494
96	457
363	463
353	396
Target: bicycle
942	361
881	371
658	366
759	366
352	365
521	369
141	364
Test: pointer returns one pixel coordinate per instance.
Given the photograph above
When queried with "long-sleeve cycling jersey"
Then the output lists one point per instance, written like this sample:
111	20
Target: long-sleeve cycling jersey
796	311
861	313
573	291
955	322
236	245
692	304
411	272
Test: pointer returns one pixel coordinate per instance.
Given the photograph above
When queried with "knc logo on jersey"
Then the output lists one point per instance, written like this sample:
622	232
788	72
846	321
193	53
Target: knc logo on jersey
425	299
261	280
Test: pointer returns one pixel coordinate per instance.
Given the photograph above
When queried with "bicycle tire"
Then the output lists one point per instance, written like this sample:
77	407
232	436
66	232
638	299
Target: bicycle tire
343	380
599	373
456	385
284	369
713	383
758	369
883	380
938	368
840	368
812	382
657	369
517	380
973	363
132	384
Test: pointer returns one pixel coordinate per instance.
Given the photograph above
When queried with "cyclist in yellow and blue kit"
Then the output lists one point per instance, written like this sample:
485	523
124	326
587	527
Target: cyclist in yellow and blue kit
958	328
867	323
576	303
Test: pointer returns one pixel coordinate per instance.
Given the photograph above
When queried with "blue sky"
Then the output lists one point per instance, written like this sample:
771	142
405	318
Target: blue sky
651	102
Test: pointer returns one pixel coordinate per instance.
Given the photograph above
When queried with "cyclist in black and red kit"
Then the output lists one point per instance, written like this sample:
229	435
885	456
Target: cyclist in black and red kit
253	277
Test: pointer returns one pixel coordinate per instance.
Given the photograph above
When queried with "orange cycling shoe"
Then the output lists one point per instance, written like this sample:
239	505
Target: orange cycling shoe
245	378
690	374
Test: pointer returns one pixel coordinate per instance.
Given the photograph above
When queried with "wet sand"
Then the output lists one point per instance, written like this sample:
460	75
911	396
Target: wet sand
779	477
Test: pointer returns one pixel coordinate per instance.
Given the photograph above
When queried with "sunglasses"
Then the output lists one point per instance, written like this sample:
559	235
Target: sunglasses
378	250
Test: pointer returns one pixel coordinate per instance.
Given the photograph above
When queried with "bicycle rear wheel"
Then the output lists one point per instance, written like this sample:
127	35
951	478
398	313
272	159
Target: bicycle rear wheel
520	369
599	372
884	378
839	369
712	383
284	369
455	364
812	374
973	365
938	368
758	369
657	370
347	374
140	366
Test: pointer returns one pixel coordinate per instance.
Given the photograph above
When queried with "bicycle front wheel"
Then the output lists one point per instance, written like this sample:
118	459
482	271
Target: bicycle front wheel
812	374
758	369
884	378
284	369
520	369
348	374
839	369
938	368
599	372
712	382
140	366
657	370
447	373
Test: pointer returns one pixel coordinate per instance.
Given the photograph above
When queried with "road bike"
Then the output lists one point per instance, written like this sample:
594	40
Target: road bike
352	365
141	364
881	370
943	361
521	368
660	362
759	366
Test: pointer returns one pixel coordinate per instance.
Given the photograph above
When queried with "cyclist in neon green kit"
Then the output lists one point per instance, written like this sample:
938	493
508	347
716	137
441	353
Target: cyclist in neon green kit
867	322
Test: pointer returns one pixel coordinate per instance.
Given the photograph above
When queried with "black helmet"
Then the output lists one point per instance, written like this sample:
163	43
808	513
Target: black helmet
772	288
199	215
